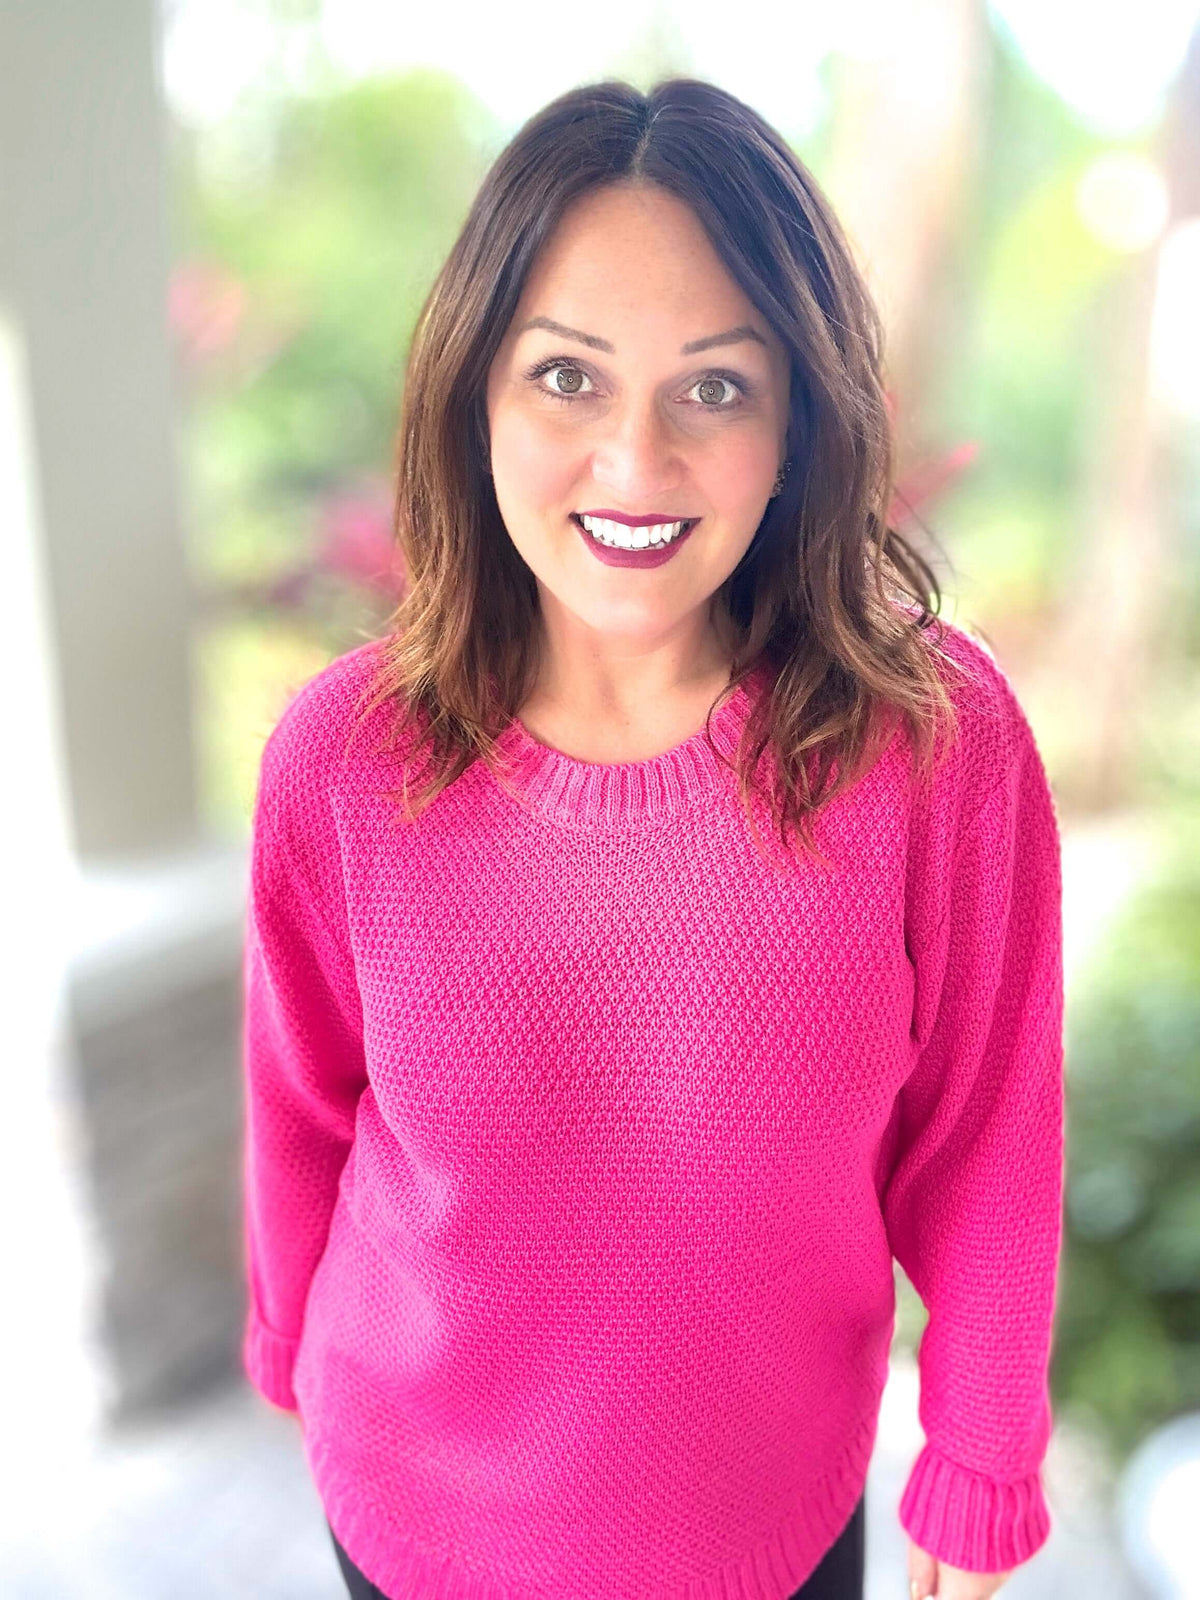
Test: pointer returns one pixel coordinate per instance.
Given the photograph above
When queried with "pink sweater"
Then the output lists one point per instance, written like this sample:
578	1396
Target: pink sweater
579	1144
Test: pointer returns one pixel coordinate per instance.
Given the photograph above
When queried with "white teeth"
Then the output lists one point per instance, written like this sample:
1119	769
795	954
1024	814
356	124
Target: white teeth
626	538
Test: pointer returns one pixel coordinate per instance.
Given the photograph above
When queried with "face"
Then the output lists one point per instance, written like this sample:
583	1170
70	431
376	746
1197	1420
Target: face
619	414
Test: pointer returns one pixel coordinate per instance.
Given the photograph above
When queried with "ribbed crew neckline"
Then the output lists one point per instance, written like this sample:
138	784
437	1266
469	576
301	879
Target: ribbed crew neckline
598	795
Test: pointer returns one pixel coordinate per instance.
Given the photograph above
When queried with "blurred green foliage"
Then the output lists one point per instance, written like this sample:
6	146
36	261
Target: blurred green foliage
334	248
1127	1334
309	268
1020	374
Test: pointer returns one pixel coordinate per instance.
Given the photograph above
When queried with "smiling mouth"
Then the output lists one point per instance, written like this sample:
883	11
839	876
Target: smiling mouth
618	536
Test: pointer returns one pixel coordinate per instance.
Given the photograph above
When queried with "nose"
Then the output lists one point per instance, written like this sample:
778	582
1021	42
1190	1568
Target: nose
639	459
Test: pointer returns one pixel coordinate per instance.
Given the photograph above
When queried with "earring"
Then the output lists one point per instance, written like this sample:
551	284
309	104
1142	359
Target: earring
779	477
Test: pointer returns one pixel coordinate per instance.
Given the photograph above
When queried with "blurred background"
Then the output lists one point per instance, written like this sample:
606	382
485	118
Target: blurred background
218	220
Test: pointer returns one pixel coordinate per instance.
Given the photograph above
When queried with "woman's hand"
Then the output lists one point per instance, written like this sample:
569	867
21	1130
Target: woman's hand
929	1576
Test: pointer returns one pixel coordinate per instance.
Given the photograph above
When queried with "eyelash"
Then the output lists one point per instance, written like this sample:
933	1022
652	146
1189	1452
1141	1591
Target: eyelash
552	362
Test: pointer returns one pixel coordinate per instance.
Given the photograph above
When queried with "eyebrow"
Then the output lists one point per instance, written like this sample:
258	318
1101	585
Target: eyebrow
733	336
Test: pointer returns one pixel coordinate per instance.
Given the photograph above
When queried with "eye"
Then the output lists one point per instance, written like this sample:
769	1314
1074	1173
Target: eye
561	364
730	383
555	364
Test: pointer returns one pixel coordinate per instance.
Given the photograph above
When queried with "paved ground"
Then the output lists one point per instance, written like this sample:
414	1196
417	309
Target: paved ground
217	1504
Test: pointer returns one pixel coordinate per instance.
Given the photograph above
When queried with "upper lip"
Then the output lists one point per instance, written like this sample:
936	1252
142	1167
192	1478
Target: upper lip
633	522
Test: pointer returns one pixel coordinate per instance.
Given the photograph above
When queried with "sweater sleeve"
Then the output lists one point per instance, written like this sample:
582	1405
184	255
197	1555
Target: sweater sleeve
303	1061
973	1207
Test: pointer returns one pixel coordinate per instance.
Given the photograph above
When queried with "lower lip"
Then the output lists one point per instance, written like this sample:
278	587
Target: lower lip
651	556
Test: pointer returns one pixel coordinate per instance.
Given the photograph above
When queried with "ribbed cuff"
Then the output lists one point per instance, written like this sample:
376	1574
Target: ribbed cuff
971	1521
268	1359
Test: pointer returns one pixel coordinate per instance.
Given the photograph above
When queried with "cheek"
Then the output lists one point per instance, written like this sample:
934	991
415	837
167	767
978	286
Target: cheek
529	458
738	467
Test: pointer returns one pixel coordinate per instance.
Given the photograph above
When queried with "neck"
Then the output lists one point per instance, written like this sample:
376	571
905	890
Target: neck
633	686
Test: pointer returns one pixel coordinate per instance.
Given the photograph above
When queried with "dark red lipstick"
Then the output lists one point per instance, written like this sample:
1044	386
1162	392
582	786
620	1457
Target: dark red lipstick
652	556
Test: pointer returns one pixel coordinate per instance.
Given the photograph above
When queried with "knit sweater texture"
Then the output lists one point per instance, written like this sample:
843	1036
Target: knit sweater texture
580	1140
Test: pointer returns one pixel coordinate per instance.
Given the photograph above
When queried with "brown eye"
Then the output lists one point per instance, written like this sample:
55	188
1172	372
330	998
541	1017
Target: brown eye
713	385
573	379
559	390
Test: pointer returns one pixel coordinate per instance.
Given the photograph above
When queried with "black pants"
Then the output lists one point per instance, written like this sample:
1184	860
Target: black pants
839	1576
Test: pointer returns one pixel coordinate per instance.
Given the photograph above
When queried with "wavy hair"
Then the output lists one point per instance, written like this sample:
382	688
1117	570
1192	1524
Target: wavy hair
828	594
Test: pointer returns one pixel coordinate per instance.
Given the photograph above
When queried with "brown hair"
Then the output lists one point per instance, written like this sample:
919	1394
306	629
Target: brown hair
828	593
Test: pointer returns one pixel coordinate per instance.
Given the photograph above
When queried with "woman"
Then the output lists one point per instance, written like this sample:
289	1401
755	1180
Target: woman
654	935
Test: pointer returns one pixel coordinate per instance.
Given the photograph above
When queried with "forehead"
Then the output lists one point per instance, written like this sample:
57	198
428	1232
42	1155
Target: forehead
623	257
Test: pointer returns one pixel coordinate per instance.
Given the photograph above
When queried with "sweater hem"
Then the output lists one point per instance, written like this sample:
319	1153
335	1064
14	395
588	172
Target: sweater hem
773	1570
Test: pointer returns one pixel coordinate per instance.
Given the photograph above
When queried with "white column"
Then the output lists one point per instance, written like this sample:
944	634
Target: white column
84	257
113	910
